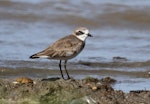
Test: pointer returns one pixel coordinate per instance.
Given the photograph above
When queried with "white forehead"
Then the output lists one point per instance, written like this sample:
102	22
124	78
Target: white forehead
86	31
83	36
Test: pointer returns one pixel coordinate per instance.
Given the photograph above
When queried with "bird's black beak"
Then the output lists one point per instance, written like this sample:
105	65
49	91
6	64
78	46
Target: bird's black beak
90	35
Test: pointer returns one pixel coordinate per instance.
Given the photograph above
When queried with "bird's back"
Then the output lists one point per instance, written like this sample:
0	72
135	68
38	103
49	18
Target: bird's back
63	49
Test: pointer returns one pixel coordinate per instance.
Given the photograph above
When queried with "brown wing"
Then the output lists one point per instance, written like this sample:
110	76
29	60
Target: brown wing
66	47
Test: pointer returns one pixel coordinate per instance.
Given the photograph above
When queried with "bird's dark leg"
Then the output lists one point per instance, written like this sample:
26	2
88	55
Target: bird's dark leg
60	69
66	69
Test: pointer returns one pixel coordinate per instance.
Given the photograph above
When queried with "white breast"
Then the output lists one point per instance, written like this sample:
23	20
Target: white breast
82	37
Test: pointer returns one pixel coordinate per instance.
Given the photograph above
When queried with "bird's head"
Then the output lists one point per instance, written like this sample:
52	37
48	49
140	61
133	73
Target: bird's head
82	33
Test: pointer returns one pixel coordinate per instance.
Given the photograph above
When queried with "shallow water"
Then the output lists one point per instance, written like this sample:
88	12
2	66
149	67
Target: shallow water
120	28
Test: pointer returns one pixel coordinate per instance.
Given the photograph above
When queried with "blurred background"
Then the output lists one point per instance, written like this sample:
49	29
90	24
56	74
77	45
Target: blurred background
121	30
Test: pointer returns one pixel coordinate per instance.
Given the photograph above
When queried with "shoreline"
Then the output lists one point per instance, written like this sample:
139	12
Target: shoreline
54	90
31	71
126	81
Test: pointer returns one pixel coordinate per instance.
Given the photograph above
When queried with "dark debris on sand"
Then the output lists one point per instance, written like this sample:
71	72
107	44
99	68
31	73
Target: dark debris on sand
59	91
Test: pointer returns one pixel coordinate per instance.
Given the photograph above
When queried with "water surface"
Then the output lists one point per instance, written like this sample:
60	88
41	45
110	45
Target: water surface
120	29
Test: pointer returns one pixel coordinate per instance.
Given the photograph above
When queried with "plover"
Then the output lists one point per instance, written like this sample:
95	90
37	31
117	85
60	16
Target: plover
65	48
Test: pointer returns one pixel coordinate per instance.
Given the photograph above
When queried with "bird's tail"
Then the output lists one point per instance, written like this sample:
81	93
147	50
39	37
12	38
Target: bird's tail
34	56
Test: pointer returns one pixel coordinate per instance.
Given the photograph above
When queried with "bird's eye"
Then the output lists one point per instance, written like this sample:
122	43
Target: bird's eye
79	33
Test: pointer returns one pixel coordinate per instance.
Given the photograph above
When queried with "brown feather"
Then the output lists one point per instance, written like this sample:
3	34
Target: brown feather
59	50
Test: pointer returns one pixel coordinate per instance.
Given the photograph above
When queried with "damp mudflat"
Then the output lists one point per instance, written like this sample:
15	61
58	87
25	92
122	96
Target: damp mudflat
119	48
128	76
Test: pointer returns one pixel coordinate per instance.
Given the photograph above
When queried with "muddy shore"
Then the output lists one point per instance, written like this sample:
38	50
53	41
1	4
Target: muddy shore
59	91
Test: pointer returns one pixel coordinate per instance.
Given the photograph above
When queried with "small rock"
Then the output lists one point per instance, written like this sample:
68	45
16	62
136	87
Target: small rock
22	80
119	59
90	79
108	80
94	88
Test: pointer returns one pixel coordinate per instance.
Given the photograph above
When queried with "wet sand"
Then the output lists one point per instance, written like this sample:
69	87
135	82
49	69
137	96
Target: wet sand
8	72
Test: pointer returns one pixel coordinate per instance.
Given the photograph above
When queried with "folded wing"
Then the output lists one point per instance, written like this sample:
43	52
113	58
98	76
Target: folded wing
65	48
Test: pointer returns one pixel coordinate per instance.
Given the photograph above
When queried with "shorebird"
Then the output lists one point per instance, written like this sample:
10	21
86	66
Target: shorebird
65	48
